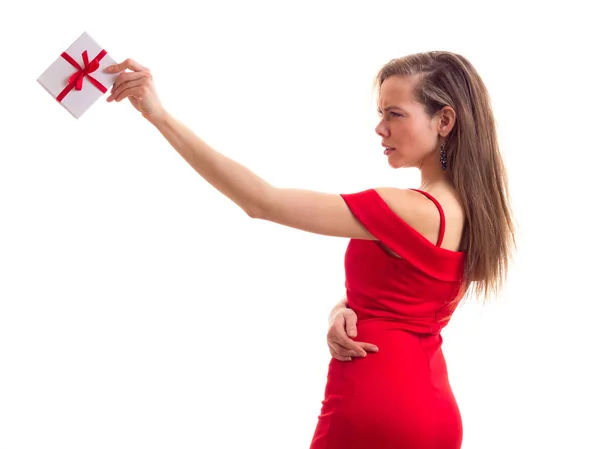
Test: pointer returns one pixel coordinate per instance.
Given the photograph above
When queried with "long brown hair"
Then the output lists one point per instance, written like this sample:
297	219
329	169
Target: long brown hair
475	164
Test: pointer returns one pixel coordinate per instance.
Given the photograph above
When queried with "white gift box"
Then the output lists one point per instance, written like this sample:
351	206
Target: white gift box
77	78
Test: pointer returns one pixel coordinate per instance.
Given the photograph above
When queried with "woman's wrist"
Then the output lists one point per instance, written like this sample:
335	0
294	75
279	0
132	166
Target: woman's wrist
343	304
157	118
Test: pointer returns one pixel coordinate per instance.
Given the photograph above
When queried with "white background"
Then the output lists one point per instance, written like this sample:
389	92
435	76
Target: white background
140	308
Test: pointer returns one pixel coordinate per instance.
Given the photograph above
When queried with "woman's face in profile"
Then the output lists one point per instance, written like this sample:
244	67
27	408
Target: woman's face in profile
408	134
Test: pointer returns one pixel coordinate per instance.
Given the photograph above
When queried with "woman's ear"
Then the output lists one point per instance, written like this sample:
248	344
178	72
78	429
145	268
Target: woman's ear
447	120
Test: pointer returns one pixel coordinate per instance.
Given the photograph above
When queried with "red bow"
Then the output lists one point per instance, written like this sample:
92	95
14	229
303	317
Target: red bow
76	80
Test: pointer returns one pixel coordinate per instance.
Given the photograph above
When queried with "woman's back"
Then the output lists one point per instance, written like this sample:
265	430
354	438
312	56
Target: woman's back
403	276
424	216
402	287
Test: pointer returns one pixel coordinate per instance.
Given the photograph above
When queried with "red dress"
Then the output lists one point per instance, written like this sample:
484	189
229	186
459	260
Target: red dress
399	397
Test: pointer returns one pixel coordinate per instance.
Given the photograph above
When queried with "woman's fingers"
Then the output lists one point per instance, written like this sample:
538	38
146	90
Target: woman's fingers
337	334
138	85
368	346
129	76
124	90
127	64
136	92
348	351
350	319
337	352
344	354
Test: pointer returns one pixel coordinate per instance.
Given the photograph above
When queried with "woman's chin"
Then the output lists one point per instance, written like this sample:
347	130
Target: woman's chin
395	163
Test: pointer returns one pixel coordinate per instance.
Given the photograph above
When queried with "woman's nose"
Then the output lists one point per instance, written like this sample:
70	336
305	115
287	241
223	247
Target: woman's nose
381	129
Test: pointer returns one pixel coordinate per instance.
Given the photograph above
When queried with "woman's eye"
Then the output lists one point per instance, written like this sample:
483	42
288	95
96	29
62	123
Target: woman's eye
390	113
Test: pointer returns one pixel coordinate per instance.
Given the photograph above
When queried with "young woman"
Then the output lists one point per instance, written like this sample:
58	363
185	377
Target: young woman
412	254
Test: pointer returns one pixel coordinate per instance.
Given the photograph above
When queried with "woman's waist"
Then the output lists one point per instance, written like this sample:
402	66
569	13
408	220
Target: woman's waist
419	326
401	354
422	317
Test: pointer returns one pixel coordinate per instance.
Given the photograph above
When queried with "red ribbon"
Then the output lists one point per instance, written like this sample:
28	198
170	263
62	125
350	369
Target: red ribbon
76	80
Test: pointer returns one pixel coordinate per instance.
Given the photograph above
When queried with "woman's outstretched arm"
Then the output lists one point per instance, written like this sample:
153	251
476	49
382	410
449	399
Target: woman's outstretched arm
316	212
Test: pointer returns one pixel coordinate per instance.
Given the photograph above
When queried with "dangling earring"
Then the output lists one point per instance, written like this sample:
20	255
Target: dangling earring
443	159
